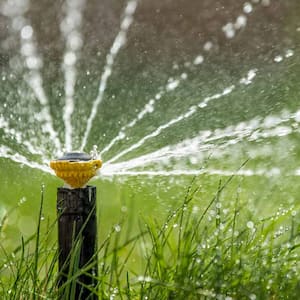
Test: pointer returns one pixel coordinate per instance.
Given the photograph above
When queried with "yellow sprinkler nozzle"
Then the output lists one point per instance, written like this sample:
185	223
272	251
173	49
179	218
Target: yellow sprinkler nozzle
76	168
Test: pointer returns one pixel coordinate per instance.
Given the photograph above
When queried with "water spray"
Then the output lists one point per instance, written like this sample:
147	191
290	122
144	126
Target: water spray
77	222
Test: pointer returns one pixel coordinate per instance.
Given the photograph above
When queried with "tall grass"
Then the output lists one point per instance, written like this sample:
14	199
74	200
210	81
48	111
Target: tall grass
221	251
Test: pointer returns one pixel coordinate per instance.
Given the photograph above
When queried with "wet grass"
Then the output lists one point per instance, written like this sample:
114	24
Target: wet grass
221	251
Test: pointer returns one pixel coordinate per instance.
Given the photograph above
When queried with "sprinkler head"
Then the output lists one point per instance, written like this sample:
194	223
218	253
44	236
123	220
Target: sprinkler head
76	168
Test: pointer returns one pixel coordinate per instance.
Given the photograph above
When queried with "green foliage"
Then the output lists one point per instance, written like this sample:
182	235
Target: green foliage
220	252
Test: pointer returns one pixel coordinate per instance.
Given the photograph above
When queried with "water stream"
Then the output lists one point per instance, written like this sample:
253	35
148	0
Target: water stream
171	90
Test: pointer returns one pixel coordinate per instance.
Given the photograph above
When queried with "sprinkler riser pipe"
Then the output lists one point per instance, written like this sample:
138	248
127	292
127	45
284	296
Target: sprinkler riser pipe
77	222
76	209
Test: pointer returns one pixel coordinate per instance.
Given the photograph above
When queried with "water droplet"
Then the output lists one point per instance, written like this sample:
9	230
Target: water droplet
122	135
144	278
124	209
183	76
195	209
26	32
289	53
240	22
117	228
229	30
157	97
208	46
250	224
219	205
172	85
198	60
33	62
22	200
70	58
75	41
248	8
278	58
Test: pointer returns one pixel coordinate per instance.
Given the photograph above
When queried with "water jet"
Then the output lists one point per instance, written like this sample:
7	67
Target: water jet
159	87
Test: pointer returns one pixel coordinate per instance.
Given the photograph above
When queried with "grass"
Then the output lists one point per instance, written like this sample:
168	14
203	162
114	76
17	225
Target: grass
221	251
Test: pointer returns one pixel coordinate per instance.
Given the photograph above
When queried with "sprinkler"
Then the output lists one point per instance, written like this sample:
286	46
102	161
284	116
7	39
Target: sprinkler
77	224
